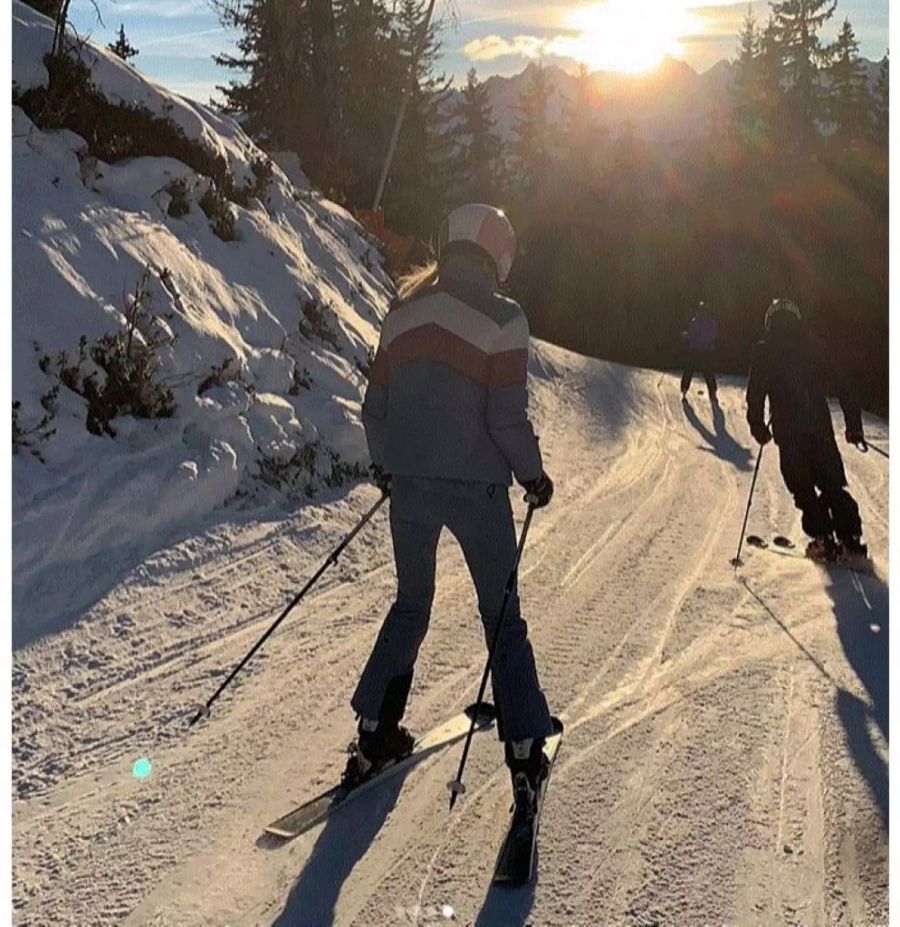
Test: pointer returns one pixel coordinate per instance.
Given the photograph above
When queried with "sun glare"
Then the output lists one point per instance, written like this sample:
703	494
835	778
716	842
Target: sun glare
628	35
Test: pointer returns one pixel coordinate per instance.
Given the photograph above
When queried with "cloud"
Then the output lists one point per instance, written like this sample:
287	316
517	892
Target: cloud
205	43
620	35
546	15
181	37
492	47
728	18
164	9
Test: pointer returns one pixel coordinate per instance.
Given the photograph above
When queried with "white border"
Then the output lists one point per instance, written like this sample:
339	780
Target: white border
6	535
894	303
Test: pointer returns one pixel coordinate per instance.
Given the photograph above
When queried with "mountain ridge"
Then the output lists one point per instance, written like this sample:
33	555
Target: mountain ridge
673	102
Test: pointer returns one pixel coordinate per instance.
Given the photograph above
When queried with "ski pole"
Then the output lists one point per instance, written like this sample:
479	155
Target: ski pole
736	562
332	558
456	785
866	446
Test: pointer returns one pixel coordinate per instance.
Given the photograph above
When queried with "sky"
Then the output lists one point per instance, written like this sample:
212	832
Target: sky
177	38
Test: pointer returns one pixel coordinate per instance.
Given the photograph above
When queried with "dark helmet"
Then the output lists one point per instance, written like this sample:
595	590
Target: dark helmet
781	305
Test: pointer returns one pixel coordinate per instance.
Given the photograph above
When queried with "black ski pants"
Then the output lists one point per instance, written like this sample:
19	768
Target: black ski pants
813	471
699	361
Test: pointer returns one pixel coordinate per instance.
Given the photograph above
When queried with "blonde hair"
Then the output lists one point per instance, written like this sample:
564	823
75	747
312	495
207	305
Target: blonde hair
417	279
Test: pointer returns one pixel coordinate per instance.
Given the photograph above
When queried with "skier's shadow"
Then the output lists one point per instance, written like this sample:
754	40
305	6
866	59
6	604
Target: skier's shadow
720	442
861	607
505	906
346	837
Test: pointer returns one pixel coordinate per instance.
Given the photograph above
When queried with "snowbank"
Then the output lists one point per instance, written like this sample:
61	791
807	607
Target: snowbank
261	342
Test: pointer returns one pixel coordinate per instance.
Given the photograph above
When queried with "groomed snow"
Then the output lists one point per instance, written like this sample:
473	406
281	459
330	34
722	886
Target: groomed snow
83	232
725	755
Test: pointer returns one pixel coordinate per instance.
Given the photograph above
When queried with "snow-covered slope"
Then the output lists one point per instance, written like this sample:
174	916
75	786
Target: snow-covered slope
261	340
725	756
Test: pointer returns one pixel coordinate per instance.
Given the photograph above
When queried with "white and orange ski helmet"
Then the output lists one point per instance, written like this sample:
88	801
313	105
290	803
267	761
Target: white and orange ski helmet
484	226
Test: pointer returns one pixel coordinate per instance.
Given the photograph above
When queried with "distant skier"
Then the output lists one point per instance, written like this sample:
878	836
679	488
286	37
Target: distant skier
701	339
446	422
790	368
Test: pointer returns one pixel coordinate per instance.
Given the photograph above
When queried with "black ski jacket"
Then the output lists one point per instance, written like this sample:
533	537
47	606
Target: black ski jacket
791	368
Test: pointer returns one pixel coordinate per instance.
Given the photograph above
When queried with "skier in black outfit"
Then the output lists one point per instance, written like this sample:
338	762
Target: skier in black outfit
790	368
700	339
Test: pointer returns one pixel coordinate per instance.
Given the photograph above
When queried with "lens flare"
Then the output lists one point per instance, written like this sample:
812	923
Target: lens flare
142	768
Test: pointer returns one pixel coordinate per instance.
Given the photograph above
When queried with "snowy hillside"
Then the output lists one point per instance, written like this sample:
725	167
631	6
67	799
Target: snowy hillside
725	755
177	341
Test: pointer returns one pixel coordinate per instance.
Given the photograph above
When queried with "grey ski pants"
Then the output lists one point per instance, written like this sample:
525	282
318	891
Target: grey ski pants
479	516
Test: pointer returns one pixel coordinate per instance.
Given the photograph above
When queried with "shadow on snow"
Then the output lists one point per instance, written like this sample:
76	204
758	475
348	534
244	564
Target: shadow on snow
719	441
342	843
507	906
861	610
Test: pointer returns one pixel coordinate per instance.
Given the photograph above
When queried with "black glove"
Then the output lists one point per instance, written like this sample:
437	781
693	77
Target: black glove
539	492
382	479
854	435
762	434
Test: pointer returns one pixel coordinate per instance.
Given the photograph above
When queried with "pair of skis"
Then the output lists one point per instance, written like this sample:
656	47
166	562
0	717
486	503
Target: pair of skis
515	861
785	547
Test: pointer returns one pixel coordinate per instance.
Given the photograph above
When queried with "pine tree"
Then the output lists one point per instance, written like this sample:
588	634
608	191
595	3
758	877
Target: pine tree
847	88
796	25
582	135
273	51
323	68
880	99
746	90
771	83
290	50
532	130
326	79
372	82
122	47
414	197
479	148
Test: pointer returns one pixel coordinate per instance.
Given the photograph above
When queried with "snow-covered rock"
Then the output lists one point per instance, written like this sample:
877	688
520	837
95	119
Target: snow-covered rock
249	375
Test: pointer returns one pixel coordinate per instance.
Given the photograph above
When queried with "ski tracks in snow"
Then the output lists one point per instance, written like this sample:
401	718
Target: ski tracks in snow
711	772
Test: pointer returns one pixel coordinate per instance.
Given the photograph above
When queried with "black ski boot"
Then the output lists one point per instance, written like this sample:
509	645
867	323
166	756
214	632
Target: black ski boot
853	552
377	746
528	768
822	548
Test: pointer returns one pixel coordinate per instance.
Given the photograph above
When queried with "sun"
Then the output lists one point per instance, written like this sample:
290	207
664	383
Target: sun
628	35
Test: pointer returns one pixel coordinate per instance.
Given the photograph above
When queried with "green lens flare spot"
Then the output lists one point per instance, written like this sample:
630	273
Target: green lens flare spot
142	768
